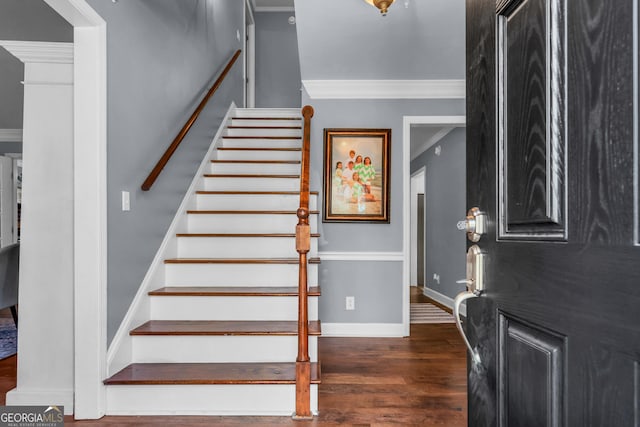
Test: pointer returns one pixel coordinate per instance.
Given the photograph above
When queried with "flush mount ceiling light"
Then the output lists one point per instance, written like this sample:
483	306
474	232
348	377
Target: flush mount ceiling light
383	5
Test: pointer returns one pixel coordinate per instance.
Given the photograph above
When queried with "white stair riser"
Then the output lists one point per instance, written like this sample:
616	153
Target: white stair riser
246	223
253	122
251	184
262	399
257	155
265	129
221	349
256	168
267	112
240	247
229	308
237	274
266	202
260	143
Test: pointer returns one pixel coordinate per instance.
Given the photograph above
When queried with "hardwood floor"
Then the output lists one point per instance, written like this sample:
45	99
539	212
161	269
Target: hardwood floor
415	381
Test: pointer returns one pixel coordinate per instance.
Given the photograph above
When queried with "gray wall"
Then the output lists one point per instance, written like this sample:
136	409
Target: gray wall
162	55
378	284
29	20
277	63
350	40
445	195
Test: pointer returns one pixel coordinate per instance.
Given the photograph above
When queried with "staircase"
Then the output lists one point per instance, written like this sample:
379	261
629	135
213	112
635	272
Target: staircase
214	328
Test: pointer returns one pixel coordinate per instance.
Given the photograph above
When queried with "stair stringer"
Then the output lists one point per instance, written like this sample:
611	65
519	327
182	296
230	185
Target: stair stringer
120	352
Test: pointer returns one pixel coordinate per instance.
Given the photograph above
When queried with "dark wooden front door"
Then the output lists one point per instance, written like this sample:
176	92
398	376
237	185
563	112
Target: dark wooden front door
551	154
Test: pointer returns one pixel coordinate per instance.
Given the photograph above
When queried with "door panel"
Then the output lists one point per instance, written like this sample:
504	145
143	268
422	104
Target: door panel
551	153
531	75
531	364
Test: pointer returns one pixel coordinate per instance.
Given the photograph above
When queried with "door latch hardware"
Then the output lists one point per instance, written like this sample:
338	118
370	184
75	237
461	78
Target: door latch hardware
475	224
475	285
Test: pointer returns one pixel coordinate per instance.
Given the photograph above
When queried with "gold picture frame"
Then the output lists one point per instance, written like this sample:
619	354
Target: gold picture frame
365	198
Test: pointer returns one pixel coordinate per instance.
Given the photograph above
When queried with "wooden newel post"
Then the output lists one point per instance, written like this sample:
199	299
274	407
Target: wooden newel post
303	245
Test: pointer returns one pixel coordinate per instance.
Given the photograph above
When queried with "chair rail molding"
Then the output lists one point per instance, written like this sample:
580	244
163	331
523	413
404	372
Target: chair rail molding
361	256
385	89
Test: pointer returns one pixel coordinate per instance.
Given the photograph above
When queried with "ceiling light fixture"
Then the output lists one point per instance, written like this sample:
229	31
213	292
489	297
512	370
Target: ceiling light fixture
383	5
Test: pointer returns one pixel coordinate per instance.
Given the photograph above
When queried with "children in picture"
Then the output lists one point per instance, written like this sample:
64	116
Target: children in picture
337	179
367	173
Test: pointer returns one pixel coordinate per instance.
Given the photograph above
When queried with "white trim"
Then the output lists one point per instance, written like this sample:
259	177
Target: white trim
274	9
407	121
90	200
431	141
10	135
45	52
385	89
44	398
444	300
417	187
249	71
119	353
363	330
361	256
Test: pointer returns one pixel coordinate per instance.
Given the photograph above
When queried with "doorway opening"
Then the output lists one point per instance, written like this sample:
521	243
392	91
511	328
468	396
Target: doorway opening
421	138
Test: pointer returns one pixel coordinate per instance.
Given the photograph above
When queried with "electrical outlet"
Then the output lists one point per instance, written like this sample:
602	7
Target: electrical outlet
350	303
436	278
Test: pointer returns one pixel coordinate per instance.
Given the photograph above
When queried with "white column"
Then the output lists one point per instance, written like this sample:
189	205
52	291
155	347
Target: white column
46	300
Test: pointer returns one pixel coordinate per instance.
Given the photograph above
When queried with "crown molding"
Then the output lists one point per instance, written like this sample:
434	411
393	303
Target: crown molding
43	52
10	135
274	9
385	89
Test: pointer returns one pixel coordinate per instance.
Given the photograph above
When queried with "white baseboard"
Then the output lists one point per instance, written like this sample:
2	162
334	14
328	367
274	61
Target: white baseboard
41	398
444	300
363	330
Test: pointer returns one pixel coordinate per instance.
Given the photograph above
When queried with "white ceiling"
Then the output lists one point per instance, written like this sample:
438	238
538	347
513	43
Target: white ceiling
422	136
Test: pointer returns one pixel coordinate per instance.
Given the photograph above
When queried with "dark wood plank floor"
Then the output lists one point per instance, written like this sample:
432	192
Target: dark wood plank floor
416	381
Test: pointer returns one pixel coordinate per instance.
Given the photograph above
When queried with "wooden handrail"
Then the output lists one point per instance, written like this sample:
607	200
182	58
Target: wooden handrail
303	245
146	185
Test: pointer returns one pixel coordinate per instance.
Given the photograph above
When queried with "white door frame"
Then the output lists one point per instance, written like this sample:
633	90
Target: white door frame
249	57
407	121
90	205
417	187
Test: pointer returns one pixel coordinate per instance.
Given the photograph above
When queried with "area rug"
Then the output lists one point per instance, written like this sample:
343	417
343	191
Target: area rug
8	337
429	313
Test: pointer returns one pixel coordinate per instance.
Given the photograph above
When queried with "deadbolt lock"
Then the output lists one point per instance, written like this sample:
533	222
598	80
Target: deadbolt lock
475	224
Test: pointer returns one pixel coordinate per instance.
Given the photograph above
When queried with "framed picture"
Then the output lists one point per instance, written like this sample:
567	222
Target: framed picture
356	175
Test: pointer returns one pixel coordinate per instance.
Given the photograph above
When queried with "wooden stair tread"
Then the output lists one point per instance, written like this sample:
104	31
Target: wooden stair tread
209	373
223	327
238	261
259	149
277	162
281	193
262	137
231	291
266	118
241	235
248	175
245	212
